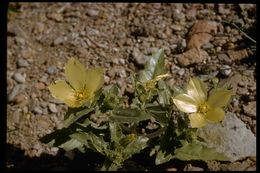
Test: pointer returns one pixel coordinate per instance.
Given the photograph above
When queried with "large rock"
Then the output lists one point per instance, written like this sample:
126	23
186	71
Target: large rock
230	137
200	33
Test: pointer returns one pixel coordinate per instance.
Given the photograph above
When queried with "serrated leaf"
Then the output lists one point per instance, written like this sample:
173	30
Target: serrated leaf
164	93
168	143
115	131
162	157
91	141
154	67
177	90
158	112
198	151
74	114
72	144
137	144
129	115
230	137
112	98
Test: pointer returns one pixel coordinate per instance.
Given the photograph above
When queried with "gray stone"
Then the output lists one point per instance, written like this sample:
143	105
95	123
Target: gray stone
37	110
22	63
181	71
230	137
43	79
93	13
52	108
122	61
52	70
224	58
138	56
56	101
207	46
225	70
14	92
19	77
58	40
19	40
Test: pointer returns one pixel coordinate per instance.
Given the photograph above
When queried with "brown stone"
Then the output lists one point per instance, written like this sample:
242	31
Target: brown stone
237	54
39	86
250	109
192	56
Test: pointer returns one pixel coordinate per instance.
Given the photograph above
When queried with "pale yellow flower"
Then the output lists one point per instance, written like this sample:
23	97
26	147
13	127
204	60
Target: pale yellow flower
202	109
81	86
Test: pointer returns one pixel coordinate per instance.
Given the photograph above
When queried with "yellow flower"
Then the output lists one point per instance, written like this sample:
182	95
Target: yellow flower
203	109
81	86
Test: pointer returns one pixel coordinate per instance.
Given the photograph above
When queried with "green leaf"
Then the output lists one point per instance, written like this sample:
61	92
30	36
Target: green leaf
137	144
112	98
198	151
168	143
177	90
154	67
91	141
163	157
164	93
159	112
72	144
115	131
129	115
74	114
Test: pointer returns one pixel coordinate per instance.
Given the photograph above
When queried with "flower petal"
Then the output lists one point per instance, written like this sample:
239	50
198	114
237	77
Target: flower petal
185	103
219	98
197	120
94	80
75	73
62	91
215	115
197	89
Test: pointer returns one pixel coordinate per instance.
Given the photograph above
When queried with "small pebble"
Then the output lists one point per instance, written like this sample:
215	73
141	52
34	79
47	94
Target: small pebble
43	78
181	71
21	99
250	109
14	92
224	58
93	13
225	70
22	63
52	70
56	101
37	110
19	77
39	86
52	108
207	46
58	40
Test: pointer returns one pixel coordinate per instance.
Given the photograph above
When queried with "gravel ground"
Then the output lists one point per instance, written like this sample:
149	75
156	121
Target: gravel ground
41	38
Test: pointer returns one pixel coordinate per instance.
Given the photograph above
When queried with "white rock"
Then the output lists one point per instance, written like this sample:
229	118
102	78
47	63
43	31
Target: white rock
52	108
19	77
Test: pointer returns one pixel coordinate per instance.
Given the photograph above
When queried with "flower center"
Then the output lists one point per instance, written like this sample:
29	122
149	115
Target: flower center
203	108
80	96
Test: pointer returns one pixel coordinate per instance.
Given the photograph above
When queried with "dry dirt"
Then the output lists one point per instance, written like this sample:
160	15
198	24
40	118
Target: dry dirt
198	39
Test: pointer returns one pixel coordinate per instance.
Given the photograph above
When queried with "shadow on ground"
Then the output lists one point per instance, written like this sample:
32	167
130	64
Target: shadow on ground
16	160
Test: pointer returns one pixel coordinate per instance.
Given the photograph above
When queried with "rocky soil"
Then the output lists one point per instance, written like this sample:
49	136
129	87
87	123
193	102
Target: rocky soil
203	40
